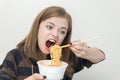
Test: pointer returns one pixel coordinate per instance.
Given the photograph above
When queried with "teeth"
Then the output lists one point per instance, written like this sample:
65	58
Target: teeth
52	40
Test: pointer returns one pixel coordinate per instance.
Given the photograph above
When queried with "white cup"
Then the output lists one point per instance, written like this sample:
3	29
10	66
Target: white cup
52	72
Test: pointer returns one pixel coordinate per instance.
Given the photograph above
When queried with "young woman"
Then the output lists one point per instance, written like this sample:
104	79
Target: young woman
51	26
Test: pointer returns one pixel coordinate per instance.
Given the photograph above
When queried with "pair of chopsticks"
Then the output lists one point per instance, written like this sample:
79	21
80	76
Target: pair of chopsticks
64	46
87	40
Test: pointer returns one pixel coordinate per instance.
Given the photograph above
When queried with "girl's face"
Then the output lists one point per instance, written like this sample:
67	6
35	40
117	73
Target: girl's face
51	31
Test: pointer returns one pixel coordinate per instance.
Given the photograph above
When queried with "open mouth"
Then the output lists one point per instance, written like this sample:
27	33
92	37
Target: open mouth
50	43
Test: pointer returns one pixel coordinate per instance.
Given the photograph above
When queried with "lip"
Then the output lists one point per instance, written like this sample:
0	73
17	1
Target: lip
47	49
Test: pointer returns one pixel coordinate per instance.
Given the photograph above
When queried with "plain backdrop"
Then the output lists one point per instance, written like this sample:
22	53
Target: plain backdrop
91	18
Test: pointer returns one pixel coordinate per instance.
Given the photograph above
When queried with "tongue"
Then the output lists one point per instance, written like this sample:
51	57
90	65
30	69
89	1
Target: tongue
48	44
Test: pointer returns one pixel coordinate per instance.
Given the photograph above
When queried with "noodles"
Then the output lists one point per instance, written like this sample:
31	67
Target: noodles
55	54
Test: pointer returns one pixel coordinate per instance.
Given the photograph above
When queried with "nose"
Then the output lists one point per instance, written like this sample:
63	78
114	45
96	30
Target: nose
55	33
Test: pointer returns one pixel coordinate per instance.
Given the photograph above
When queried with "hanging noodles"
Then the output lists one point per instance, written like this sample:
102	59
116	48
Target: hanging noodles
55	54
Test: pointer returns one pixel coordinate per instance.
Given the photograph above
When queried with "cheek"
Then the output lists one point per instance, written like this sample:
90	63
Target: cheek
41	32
41	37
61	39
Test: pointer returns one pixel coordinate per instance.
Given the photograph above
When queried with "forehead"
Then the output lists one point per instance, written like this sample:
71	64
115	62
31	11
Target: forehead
61	21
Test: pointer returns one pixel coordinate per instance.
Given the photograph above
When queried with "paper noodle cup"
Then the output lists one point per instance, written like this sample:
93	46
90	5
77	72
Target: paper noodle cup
52	72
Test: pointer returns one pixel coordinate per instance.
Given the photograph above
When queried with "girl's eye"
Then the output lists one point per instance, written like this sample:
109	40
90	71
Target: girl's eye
49	27
63	32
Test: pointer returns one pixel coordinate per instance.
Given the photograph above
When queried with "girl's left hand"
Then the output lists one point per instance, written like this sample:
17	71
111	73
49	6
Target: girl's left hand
79	48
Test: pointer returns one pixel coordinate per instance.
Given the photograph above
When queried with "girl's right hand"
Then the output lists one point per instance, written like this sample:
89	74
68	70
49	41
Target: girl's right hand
36	76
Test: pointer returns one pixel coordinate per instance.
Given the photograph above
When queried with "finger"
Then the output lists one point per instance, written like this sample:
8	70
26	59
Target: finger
84	43
38	76
78	42
78	53
78	47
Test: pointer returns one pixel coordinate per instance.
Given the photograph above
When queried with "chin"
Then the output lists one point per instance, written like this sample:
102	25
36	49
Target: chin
46	52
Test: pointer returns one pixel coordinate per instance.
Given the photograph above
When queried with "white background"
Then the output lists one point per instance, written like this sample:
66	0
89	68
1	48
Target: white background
91	18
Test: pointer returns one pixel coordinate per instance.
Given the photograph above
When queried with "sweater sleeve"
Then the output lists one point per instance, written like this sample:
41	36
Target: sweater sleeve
7	68
81	63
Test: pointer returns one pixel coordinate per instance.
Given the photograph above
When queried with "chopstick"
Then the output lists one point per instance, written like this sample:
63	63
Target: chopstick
87	40
64	46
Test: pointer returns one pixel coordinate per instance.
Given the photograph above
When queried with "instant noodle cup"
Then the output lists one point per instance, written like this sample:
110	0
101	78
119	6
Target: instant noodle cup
52	72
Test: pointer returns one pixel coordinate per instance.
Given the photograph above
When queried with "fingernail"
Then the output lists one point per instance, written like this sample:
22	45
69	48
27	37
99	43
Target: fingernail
44	77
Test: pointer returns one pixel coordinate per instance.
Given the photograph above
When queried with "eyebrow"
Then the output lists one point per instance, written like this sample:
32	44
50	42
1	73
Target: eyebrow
51	23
